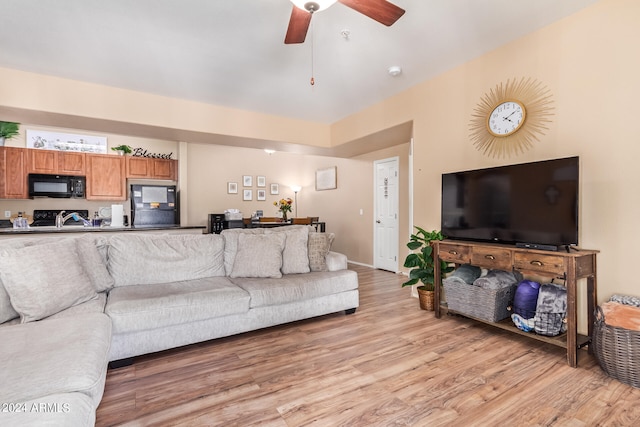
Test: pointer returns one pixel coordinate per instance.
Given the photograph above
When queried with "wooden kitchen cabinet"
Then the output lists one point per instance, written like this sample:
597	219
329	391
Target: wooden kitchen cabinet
151	168
13	173
42	161
56	162
106	177
70	163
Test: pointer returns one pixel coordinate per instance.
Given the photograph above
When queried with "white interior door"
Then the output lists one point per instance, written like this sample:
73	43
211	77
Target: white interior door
386	214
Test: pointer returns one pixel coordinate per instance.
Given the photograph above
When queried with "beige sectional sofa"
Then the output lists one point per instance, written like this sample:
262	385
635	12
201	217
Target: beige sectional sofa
70	306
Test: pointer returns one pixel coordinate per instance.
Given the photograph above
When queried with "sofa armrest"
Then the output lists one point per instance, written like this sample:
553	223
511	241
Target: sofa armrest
336	261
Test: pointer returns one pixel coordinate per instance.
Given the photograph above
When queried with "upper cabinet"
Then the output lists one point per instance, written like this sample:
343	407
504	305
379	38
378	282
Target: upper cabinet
151	168
106	177
13	173
106	174
56	162
72	163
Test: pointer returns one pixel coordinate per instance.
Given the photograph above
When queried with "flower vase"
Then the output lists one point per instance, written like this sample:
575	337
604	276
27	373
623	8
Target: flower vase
284	216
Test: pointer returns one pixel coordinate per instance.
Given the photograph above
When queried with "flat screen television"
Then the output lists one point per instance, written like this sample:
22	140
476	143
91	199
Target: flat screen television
531	205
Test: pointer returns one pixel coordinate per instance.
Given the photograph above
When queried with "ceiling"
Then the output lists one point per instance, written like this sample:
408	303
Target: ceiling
231	52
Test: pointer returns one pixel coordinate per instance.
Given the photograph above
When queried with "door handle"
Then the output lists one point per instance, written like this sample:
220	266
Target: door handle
378	221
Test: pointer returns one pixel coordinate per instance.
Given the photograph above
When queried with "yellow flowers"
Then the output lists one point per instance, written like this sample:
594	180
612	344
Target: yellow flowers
284	205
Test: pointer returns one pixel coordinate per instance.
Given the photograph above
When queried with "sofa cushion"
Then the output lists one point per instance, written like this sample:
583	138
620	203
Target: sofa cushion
151	306
230	237
259	255
295	256
92	252
66	409
163	258
95	305
319	246
7	312
64	355
44	279
297	287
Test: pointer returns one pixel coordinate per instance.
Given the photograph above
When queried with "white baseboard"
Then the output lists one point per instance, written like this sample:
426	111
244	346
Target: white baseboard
360	263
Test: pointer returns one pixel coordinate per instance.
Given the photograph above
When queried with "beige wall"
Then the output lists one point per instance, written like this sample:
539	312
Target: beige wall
22	92
402	152
212	166
589	61
205	170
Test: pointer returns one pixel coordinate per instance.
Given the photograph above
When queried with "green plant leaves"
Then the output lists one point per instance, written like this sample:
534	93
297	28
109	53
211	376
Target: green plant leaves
414	244
412	260
9	129
422	262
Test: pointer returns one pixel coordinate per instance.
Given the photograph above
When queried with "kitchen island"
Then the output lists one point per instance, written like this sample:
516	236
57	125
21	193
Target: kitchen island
54	231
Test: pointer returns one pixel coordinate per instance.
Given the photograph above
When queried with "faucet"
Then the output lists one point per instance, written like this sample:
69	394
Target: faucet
60	218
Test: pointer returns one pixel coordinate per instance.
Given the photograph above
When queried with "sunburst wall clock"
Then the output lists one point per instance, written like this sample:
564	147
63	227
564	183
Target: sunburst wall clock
510	117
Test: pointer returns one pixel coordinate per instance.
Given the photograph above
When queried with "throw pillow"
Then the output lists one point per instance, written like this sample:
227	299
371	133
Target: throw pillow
45	279
164	258
93	261
7	312
319	246
231	244
295	256
259	255
621	315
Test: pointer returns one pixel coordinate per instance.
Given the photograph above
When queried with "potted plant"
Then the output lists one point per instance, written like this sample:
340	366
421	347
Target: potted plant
123	149
7	131
422	265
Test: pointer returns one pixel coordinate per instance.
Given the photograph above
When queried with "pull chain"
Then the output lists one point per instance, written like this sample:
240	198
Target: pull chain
312	81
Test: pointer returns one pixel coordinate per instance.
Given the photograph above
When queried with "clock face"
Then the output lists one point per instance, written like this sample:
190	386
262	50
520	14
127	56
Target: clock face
506	118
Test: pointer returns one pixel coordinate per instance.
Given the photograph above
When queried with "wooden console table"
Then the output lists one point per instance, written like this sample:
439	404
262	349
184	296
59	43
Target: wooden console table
568	266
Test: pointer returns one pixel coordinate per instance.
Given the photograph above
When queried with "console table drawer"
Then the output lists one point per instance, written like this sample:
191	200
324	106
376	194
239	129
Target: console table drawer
539	263
454	253
492	258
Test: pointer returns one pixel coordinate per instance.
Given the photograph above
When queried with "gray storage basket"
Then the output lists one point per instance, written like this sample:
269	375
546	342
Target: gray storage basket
474	301
617	350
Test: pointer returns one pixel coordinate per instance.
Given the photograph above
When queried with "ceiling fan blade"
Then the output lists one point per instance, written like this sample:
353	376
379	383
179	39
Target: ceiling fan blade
380	10
298	26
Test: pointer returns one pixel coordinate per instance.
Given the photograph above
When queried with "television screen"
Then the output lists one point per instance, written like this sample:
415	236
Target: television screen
530	203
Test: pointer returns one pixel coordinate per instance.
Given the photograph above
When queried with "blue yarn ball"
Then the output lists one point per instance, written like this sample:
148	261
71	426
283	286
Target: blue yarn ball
526	299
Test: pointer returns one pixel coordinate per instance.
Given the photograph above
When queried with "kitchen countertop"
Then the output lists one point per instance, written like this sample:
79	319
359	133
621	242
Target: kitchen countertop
79	229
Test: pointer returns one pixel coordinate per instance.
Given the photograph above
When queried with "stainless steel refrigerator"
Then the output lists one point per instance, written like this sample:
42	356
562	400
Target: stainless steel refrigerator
154	205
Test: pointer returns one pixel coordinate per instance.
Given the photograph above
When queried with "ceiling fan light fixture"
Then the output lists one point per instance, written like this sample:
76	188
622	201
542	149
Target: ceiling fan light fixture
313	6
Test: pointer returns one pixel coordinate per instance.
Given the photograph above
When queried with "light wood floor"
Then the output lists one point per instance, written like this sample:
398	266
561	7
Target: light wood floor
389	364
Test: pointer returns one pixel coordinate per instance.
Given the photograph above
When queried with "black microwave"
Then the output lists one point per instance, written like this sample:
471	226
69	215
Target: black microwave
60	186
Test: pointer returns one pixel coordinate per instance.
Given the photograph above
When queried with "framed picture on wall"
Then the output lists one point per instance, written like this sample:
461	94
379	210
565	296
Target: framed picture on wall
261	195
275	189
247	181
261	181
247	195
232	187
326	179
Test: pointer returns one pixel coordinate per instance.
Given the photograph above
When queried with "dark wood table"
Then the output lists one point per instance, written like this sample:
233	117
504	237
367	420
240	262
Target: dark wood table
319	225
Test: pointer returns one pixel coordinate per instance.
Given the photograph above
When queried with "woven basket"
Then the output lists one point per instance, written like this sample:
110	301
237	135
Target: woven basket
474	301
617	350
426	299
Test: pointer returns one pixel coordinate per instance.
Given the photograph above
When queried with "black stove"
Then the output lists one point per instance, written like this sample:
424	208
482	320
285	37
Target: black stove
44	218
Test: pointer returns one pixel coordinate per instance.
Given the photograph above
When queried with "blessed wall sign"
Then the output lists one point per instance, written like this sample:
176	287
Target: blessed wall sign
142	152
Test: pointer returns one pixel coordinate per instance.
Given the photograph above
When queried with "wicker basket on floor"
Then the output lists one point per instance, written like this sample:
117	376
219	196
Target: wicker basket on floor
617	350
426	299
474	301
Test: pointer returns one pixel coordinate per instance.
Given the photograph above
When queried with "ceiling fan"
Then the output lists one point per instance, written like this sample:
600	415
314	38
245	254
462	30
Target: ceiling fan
380	10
